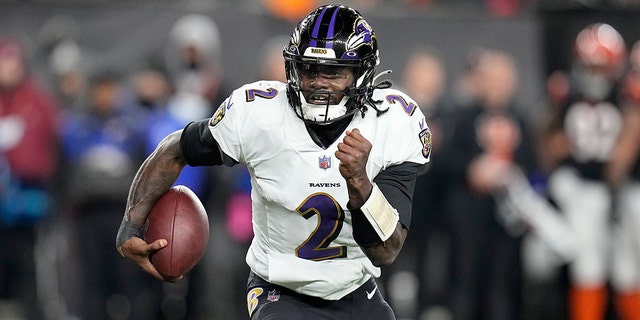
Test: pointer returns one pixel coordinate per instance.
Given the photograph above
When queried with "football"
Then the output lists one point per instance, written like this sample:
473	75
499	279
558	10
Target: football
180	218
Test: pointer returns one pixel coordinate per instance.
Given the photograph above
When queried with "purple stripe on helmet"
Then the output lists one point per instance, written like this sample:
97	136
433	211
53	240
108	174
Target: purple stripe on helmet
332	25
316	29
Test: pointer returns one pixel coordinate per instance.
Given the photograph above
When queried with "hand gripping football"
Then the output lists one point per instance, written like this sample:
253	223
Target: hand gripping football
180	218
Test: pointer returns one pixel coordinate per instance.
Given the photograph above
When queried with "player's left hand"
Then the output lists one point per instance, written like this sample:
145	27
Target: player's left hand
353	153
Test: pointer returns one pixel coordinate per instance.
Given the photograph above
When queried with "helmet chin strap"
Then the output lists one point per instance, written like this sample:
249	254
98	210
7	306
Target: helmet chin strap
323	113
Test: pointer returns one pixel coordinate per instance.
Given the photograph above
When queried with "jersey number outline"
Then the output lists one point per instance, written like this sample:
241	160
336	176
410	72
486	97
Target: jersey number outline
330	220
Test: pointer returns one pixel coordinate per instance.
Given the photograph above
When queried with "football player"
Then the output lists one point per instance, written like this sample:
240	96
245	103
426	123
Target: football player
623	173
589	123
333	158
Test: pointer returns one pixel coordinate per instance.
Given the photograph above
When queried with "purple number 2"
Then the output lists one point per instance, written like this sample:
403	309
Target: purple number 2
330	219
409	107
267	94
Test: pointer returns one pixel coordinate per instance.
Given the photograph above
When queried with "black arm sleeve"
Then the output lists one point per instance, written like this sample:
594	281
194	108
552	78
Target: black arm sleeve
397	183
198	145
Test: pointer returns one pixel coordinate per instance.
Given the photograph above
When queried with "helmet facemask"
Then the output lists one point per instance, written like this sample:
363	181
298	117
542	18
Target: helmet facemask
353	97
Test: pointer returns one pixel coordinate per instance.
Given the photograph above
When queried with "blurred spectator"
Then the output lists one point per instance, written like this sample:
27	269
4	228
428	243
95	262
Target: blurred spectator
192	88
28	149
68	74
625	154
419	283
62	61
159	113
192	58
271	53
152	89
586	129
550	242
623	173
424	75
488	138
101	151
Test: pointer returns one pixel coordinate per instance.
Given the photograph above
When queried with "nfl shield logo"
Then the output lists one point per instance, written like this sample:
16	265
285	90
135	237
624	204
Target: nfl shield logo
325	162
273	295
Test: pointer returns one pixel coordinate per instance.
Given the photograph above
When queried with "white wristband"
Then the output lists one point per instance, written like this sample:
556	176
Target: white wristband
382	216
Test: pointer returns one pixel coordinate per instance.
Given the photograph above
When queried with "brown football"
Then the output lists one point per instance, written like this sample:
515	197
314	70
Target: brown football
180	218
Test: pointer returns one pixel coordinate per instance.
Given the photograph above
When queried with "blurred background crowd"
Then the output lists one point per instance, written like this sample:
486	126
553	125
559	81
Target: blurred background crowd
529	209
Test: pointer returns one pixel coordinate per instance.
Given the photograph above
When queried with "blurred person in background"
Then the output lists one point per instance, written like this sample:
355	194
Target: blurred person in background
63	61
192	60
28	159
101	149
157	109
623	174
418	284
272	65
586	129
488	138
68	73
151	92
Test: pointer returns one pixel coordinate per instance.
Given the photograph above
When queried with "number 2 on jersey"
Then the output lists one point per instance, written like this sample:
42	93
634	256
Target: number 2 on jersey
330	219
408	107
267	94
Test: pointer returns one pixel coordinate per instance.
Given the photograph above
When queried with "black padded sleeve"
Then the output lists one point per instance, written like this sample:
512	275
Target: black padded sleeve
397	183
198	145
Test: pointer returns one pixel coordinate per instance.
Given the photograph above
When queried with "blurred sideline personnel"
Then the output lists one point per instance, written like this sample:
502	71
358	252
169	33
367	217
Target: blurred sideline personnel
193	60
589	123
355	147
101	149
28	149
623	173
489	138
417	283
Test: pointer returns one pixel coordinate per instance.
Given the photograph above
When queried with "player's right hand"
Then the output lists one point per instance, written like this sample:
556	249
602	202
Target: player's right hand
139	251
353	153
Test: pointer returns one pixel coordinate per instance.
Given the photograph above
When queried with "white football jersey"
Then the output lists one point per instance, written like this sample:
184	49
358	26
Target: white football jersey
302	228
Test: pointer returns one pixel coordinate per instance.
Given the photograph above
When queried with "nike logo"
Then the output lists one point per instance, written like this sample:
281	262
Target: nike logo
373	292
